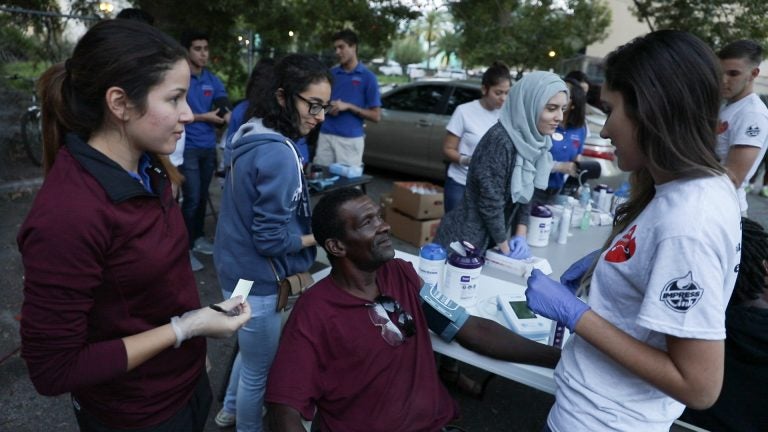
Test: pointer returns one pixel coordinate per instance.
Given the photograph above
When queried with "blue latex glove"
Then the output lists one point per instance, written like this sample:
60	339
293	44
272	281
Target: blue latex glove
518	248
554	300
571	278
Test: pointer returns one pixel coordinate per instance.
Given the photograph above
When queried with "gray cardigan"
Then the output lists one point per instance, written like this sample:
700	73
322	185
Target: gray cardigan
486	212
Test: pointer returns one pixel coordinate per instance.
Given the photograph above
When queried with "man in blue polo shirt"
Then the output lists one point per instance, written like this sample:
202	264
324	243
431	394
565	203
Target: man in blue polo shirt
210	105
355	97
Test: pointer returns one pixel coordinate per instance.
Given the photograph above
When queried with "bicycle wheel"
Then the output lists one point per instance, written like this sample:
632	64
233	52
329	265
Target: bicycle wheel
32	135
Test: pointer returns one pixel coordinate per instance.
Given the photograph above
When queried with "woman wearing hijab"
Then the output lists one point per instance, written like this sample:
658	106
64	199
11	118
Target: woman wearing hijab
510	160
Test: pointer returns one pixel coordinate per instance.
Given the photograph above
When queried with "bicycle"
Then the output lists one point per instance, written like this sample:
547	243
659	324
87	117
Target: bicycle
31	125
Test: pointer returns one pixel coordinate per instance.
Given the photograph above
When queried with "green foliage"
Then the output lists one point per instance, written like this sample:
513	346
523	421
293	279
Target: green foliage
432	28
46	32
717	22
521	33
312	23
391	79
15	46
406	51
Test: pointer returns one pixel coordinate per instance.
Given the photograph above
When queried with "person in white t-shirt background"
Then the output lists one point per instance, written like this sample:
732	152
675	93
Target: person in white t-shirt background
743	129
650	339
469	122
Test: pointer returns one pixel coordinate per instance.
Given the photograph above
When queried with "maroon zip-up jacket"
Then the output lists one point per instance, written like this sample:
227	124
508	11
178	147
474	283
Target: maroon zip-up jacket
104	259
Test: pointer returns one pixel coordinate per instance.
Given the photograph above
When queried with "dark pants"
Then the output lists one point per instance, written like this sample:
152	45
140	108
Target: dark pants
453	192
198	168
191	418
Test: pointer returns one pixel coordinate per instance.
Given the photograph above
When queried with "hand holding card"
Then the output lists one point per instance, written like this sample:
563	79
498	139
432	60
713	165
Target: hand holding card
242	288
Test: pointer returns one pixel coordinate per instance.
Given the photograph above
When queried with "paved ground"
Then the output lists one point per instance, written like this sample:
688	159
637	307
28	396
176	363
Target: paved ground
507	406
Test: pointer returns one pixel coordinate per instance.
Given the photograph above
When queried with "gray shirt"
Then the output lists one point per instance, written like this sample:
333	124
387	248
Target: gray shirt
487	212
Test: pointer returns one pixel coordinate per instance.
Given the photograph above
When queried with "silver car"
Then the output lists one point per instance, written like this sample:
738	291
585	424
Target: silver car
602	151
409	137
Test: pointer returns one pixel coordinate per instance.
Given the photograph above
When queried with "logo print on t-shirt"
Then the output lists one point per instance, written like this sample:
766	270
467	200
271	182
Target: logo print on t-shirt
681	294
623	249
722	126
752	131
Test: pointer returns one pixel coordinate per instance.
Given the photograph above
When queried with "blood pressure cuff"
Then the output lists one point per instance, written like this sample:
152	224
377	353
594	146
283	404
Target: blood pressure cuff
444	316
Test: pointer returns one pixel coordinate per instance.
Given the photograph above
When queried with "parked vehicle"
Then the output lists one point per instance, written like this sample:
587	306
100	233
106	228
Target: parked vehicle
455	74
391	68
409	137
601	150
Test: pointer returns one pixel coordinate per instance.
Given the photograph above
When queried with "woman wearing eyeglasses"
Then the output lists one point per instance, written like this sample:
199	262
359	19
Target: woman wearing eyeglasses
264	228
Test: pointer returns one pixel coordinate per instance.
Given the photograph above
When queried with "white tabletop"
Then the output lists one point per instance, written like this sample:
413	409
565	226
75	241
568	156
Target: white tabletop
493	282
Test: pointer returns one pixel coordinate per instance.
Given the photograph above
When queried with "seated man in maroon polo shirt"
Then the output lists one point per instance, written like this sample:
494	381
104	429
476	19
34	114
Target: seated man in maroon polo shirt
356	353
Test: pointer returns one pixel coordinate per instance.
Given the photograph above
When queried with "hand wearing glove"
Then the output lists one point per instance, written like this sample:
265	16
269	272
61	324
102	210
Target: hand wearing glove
212	323
571	278
554	300
518	248
465	160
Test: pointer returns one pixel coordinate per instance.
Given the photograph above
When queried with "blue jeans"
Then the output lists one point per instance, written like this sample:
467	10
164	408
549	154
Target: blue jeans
258	341
198	168
453	192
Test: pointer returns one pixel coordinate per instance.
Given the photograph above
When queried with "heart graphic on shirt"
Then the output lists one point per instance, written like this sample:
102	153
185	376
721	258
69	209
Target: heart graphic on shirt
623	249
722	126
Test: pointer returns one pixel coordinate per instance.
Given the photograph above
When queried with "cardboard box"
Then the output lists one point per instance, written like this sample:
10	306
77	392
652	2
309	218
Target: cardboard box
415	232
385	202
418	206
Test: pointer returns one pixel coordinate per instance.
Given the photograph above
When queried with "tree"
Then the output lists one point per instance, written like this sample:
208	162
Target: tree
46	30
431	29
522	33
450	46
311	22
407	50
716	22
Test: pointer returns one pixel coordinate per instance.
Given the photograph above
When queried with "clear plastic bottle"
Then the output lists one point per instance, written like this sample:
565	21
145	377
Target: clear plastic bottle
585	219
585	194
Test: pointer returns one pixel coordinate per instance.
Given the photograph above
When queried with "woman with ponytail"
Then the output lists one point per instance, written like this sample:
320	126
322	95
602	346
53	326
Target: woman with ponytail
111	310
650	339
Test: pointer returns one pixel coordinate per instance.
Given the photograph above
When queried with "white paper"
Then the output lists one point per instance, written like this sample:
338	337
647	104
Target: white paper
242	288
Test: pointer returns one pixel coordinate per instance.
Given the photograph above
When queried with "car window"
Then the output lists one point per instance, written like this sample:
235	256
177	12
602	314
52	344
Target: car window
461	95
423	98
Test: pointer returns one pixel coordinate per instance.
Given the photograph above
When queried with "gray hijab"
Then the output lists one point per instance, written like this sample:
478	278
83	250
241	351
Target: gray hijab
519	116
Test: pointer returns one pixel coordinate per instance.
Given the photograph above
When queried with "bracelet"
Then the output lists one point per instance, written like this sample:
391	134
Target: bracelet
177	330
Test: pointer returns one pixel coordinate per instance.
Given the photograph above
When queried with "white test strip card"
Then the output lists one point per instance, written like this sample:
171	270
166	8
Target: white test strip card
242	288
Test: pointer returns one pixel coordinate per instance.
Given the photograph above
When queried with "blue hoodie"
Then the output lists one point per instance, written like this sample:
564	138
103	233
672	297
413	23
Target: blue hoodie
264	211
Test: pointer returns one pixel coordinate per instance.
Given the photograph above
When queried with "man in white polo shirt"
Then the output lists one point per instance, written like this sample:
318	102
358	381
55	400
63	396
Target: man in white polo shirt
743	129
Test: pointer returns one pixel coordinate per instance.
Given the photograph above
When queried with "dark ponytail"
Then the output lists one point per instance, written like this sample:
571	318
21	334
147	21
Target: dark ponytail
128	54
53	110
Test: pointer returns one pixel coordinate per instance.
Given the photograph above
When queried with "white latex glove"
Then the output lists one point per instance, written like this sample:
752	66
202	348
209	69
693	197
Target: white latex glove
211	323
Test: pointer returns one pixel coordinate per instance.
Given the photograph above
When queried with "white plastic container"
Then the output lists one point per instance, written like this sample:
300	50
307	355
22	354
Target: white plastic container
462	273
565	224
431	263
539	226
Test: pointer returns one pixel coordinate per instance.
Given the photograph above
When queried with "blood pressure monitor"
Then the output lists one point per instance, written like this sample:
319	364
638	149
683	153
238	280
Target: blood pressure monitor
522	320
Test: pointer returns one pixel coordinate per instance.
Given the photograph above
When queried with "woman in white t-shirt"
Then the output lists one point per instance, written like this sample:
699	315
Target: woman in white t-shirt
469	122
650	340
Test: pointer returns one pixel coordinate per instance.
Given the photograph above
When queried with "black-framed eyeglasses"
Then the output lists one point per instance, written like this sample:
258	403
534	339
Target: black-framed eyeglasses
392	332
314	107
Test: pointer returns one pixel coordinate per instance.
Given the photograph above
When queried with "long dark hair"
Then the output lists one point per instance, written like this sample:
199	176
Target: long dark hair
670	83
121	53
496	73
292	74
576	116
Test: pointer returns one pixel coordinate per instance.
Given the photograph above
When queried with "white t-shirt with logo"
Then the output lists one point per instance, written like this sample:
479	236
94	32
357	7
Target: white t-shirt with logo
470	121
744	122
671	272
